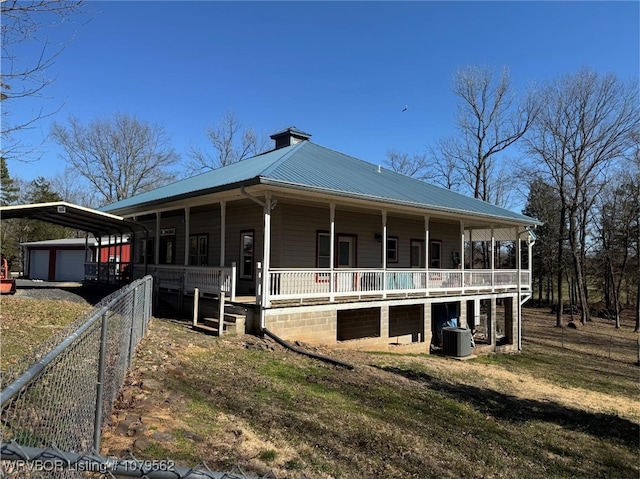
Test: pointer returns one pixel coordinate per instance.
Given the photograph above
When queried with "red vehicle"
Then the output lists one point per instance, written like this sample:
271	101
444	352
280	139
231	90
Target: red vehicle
7	283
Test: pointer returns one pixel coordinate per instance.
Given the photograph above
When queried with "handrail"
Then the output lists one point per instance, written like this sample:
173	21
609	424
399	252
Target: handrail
291	283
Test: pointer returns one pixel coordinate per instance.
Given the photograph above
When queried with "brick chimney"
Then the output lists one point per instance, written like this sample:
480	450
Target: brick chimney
289	137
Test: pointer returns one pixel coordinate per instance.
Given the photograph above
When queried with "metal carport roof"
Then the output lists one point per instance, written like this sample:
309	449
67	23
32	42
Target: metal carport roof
73	216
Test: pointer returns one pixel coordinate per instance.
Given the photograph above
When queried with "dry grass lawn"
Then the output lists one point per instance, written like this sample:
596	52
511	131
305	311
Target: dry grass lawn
545	412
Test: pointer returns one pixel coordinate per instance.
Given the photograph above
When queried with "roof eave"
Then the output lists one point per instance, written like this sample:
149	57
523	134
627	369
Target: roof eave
526	220
152	205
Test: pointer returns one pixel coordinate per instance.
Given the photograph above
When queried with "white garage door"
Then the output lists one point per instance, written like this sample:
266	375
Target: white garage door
69	265
39	264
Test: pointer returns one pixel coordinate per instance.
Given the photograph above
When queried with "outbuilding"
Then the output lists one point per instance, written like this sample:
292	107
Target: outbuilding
58	260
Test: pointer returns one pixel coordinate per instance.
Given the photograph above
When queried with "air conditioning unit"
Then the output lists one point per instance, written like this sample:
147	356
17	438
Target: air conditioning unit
456	342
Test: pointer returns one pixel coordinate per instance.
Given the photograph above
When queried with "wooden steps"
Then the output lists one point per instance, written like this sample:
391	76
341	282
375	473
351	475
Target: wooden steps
232	324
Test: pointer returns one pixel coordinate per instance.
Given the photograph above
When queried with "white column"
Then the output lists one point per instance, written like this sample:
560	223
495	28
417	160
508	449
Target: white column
462	255
519	285
266	250
493	259
427	251
332	242
471	256
518	261
223	228
530	262
384	239
187	228
384	254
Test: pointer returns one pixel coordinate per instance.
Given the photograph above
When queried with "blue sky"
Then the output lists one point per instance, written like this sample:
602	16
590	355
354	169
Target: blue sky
342	71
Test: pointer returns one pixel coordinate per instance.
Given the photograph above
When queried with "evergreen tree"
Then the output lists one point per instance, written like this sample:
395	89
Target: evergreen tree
542	203
8	188
39	191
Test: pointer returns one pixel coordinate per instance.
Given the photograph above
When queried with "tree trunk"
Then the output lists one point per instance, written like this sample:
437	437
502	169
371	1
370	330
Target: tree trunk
615	290
563	212
577	265
540	285
637	328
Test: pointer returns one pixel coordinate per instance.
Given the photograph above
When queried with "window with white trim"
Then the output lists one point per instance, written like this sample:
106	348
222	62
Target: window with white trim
392	249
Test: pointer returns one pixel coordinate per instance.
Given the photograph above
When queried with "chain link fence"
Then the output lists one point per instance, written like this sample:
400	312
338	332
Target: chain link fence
61	395
54	401
611	346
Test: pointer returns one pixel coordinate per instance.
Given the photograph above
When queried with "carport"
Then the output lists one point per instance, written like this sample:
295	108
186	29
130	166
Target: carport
109	231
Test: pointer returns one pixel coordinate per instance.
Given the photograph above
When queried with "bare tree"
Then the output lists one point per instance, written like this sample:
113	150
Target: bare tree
618	211
120	156
415	166
584	125
489	120
231	142
633	164
66	184
26	22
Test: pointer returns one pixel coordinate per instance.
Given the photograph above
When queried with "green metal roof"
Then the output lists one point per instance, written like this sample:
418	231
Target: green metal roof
308	166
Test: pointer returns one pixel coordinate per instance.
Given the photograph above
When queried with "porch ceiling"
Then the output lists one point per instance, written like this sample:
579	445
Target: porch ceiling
484	234
320	200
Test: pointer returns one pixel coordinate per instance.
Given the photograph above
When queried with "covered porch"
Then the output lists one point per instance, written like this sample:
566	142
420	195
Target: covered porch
293	251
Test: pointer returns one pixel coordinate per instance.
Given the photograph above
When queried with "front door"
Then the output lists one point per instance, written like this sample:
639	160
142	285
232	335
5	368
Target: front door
346	252
346	258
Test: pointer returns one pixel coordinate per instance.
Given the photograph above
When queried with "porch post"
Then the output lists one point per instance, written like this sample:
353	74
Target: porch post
471	255
518	260
462	255
427	250
266	250
493	259
332	232
519	285
156	253
187	228
384	253
223	227
530	262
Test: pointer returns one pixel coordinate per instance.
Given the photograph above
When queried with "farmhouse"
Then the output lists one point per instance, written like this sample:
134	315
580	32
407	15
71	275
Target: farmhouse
318	246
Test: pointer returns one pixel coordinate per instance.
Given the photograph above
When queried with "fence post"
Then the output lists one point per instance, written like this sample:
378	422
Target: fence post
97	422
221	313
233	281
132	330
196	302
149	301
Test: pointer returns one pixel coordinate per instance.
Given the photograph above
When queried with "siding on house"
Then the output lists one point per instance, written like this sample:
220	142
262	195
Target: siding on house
294	230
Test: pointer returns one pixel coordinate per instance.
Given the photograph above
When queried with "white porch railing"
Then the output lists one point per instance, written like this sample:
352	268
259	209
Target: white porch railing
211	280
287	284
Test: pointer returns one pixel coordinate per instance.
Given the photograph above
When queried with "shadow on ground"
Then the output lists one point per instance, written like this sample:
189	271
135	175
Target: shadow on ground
513	409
